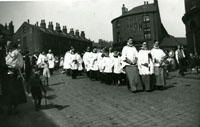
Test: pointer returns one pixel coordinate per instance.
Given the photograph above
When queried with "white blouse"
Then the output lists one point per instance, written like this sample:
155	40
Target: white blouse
143	58
130	53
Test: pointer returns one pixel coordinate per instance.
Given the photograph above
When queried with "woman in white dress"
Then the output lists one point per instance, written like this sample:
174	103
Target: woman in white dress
158	56
145	66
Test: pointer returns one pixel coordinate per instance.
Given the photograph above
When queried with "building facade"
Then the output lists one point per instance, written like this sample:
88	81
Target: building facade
7	32
143	23
191	20
37	38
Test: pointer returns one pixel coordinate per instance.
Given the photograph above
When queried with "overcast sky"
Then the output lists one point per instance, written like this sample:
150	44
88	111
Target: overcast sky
92	16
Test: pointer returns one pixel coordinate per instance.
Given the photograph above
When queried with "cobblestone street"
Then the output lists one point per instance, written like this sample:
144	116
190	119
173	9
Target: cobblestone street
85	103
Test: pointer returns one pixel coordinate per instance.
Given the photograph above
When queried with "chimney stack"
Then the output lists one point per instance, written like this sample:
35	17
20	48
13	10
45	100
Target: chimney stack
77	33
6	26
50	26
28	21
11	27
82	34
43	24
58	27
71	32
65	29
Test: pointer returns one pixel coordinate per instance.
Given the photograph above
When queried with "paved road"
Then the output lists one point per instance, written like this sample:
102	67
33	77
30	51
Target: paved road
85	103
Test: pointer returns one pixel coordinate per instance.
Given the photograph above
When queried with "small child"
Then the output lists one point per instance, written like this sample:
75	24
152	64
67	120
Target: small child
36	87
117	68
46	72
61	64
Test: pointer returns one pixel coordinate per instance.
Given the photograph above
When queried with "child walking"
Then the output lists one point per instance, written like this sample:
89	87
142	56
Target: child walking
46	72
35	86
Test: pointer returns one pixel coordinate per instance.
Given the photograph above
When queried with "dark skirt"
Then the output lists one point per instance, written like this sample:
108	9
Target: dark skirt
133	77
147	81
14	92
159	76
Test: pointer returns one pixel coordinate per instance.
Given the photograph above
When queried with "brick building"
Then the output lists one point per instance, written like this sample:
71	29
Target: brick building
7	31
191	20
143	23
36	38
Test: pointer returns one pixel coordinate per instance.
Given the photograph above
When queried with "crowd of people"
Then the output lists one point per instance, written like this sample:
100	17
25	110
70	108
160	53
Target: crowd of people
143	70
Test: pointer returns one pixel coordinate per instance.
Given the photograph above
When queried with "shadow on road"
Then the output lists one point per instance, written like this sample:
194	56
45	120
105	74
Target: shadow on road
26	116
50	106
55	84
50	97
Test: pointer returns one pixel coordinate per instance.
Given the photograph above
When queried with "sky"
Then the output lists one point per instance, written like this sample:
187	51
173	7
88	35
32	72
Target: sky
92	16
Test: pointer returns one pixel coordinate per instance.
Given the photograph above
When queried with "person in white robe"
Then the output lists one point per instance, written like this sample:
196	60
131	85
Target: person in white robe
51	61
145	66
41	60
80	63
107	65
117	68
158	56
74	63
93	64
86	60
129	60
66	65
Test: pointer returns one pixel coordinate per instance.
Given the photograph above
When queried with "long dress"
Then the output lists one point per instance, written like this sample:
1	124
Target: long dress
131	71
158	55
146	69
14	90
51	60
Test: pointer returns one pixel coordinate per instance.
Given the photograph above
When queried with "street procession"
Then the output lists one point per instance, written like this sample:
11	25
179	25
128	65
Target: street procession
140	68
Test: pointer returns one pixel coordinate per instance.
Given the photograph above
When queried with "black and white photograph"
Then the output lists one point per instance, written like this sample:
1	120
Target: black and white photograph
99	63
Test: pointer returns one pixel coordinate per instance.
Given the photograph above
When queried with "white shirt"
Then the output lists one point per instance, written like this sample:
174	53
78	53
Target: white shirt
107	64
67	60
157	55
86	60
41	59
117	65
74	61
93	61
144	59
130	53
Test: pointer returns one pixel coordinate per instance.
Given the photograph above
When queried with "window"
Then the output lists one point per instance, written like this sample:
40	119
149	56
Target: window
146	18
117	24
147	36
118	37
24	29
147	29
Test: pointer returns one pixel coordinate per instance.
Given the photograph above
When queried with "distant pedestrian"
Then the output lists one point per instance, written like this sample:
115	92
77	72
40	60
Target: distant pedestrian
36	87
180	56
51	61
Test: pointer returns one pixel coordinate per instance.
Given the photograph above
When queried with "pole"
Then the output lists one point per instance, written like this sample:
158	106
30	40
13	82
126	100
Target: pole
194	42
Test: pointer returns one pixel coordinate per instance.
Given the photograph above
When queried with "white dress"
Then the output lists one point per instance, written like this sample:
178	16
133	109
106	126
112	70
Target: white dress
66	64
80	62
117	65
93	61
86	60
74	62
51	60
144	59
